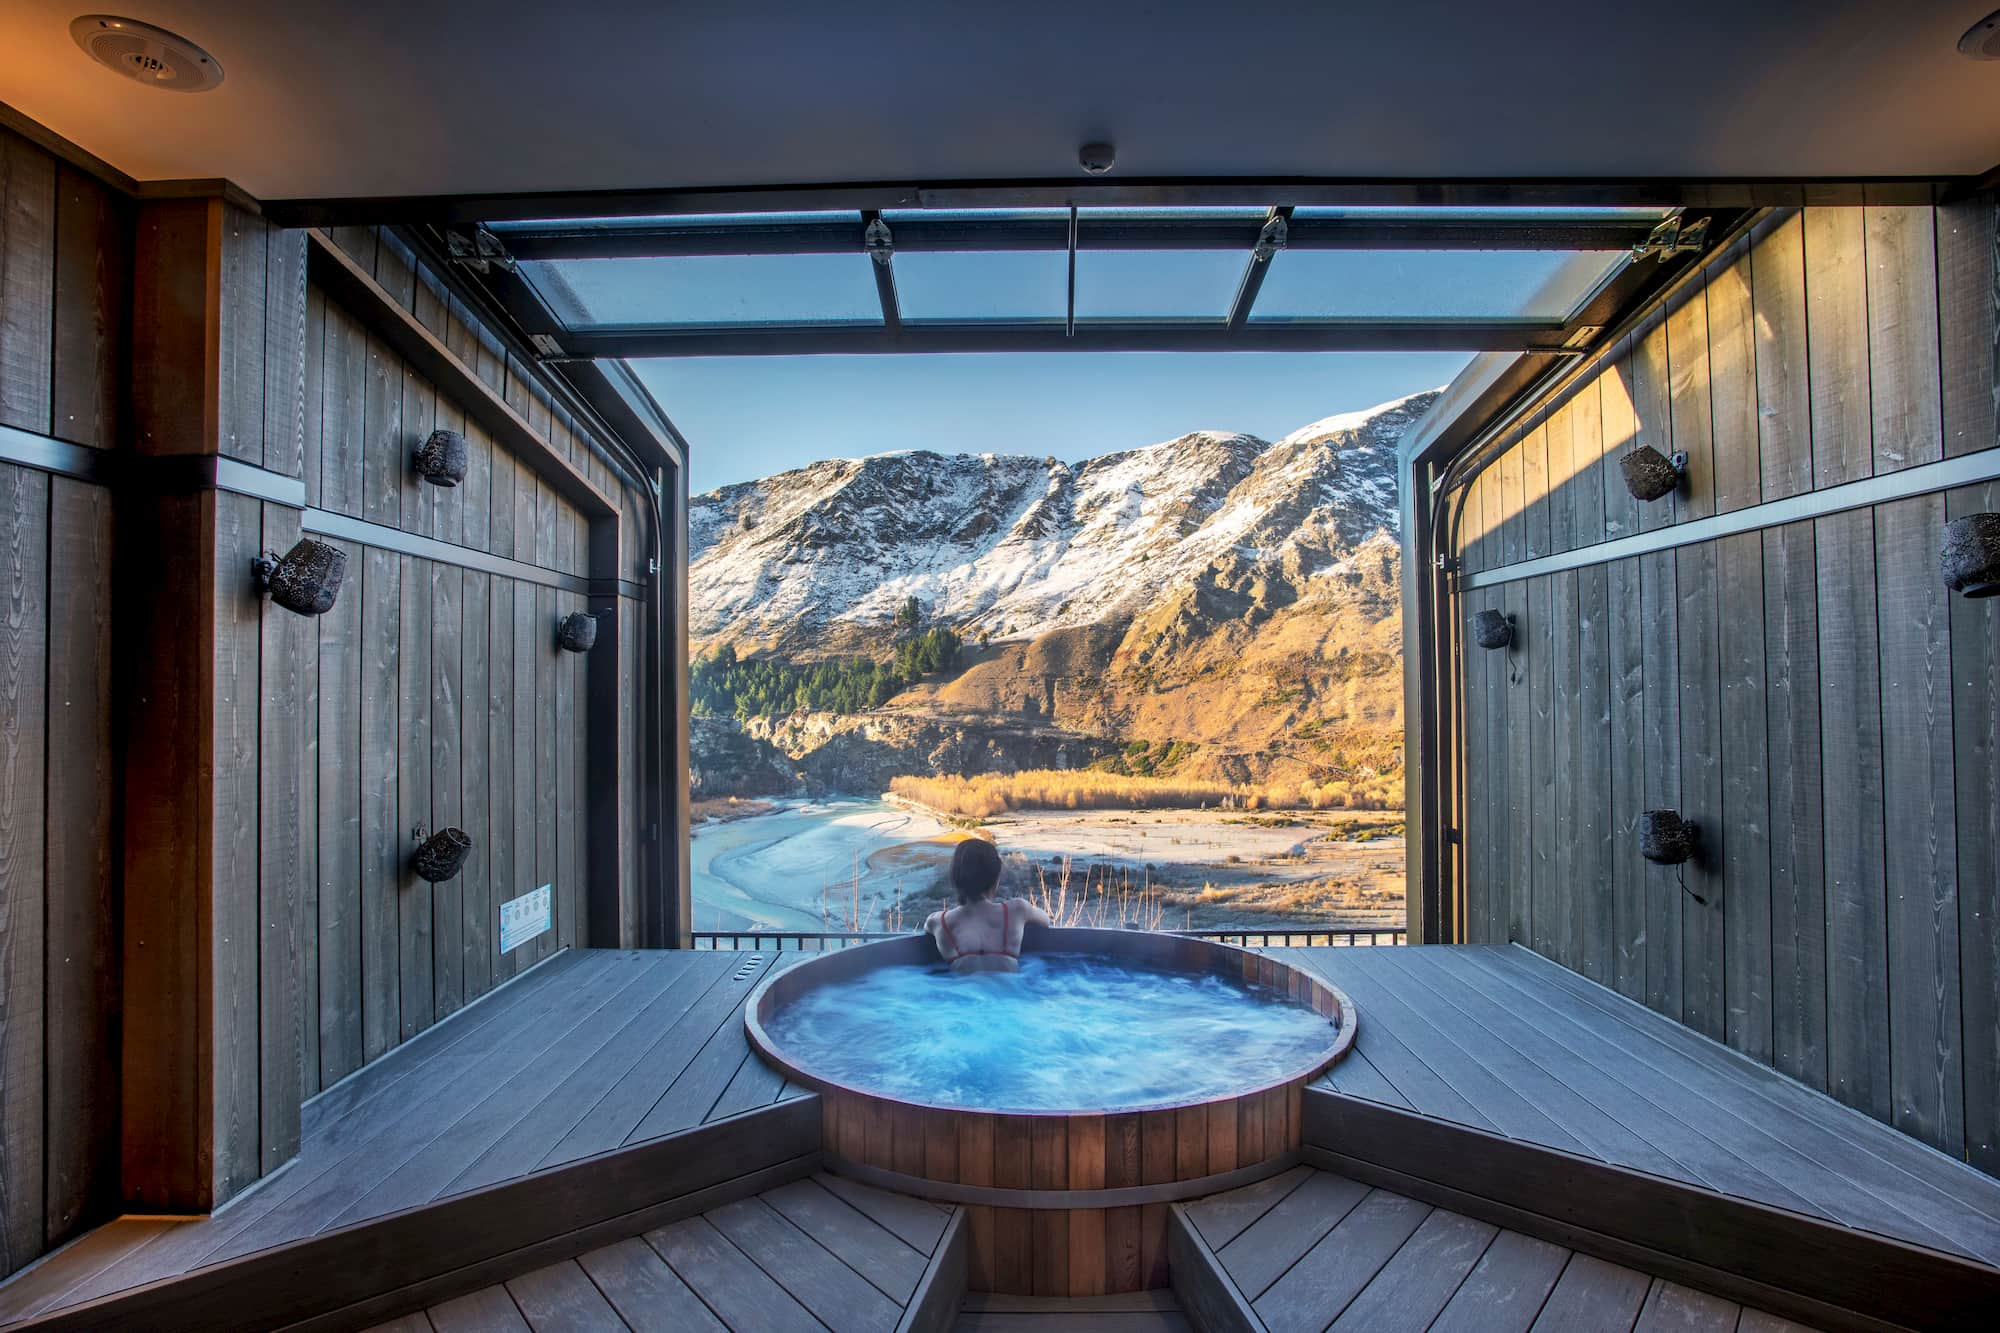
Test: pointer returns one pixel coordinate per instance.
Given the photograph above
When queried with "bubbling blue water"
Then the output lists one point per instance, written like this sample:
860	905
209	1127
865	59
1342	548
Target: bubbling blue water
1068	1032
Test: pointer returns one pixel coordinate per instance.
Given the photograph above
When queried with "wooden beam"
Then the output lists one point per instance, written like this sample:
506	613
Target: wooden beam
356	291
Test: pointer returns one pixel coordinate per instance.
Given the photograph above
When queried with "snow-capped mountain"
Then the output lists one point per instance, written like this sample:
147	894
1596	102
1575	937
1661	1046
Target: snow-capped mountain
1014	547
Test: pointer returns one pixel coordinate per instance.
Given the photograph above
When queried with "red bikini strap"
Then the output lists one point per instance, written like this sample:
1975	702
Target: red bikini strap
944	924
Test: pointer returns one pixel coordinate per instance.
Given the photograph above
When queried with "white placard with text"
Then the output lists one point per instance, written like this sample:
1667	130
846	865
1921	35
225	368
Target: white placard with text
523	918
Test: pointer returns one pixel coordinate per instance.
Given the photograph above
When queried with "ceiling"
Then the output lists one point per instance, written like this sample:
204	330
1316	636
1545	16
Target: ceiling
396	97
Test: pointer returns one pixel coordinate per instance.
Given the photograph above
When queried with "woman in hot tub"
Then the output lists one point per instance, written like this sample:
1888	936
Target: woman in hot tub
982	933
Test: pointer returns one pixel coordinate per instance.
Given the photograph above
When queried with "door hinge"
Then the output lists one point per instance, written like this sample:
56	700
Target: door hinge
478	250
1673	236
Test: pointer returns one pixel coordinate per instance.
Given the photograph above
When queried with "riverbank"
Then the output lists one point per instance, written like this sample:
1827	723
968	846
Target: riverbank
827	865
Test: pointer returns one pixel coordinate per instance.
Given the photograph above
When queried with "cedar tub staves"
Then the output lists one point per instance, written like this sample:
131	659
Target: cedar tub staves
1063	1203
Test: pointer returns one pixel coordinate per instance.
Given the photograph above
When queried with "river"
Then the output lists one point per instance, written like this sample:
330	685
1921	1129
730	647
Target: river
814	865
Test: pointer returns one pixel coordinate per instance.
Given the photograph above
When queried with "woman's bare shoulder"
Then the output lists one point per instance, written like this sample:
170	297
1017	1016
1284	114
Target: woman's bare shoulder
1032	912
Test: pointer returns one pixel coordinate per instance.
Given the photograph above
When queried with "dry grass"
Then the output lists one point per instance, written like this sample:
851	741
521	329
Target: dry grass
1103	898
1050	789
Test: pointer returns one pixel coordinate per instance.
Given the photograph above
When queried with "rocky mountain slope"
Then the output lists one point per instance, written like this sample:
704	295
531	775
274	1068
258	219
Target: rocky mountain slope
1233	594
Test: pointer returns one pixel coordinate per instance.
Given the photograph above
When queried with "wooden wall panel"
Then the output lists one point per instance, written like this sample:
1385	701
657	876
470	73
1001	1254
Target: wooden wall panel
337	738
82	950
27	282
416	998
1798	848
477	927
1808	692
1704	1004
1660	768
1975	676
234	873
1857	1019
93	305
24	629
1745	817
256	896
1920	884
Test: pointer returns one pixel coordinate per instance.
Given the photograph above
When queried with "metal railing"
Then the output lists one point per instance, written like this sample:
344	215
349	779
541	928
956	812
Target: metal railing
819	941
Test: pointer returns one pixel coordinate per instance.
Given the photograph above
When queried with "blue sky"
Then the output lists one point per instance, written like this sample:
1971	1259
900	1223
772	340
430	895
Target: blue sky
748	417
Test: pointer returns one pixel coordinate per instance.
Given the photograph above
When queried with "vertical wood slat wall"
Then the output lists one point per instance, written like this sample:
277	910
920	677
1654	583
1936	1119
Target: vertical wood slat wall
454	705
65	246
1809	693
475	714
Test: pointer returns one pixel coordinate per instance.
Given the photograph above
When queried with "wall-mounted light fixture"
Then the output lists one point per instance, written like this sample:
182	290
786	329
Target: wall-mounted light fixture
576	632
1971	557
1650	474
440	460
1493	629
306	580
441	855
1668	840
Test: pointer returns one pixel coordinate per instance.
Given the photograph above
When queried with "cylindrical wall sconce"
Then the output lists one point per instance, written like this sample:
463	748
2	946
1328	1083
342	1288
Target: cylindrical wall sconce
1493	629
441	460
1650	474
306	580
576	632
441	855
1665	838
1971	557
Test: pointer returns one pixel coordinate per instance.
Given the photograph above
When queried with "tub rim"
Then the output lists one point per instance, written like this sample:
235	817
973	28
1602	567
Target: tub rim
1040	939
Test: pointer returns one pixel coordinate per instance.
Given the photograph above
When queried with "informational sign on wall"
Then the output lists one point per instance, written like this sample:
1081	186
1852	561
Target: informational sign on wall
523	918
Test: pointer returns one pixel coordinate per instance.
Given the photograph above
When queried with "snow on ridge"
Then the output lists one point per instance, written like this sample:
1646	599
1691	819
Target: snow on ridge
1012	546
1345	421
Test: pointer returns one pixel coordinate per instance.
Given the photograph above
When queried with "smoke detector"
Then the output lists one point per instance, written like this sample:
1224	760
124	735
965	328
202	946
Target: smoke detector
146	54
1982	39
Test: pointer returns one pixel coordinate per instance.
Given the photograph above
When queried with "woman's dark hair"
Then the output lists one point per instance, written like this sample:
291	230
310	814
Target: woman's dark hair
975	869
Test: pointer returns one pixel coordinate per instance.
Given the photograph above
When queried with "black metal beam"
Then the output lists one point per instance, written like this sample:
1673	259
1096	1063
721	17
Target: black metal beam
1299	191
649	240
1052	336
1258	268
883	261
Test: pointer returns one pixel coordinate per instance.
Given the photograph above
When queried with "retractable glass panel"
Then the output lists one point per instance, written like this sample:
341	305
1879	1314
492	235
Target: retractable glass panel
1158	277
958	286
811	289
1157	284
1528	285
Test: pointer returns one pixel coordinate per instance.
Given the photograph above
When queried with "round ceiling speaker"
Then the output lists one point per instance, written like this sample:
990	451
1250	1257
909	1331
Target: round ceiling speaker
1982	39
146	54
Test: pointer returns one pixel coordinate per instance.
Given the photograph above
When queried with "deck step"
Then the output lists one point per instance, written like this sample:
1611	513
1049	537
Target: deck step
1131	1312
766	1262
1808	1268
1321	1250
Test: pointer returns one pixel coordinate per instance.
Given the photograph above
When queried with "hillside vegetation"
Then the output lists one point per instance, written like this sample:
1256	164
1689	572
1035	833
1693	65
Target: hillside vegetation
721	685
1049	789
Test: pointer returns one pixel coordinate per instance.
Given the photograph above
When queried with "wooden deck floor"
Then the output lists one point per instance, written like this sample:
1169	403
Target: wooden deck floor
1311	1250
593	1050
1500	1039
597	1050
810	1256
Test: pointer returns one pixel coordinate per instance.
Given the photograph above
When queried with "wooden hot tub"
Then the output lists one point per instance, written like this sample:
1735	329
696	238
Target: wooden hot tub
1064	1203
